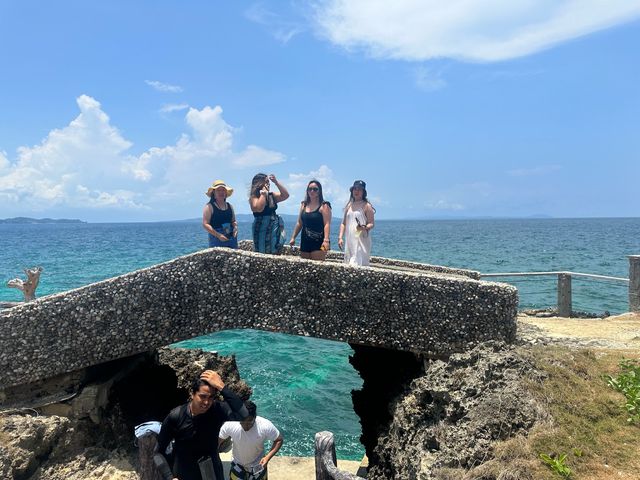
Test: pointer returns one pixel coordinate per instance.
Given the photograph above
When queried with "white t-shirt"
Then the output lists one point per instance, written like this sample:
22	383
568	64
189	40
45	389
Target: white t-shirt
248	447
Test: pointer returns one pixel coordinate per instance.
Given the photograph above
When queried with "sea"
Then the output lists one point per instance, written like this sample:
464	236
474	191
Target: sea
304	384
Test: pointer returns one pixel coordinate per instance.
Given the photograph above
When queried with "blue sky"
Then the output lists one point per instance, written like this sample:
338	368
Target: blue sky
127	111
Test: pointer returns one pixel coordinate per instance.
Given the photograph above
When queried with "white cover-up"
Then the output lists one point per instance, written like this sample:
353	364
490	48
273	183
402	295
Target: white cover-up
357	245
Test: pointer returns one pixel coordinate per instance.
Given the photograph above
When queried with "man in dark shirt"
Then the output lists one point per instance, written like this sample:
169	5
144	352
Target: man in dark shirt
195	426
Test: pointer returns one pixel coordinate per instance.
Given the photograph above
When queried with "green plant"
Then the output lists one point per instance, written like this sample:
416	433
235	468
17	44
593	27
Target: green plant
628	383
557	464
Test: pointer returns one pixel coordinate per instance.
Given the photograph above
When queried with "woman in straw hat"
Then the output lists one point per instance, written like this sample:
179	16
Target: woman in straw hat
218	217
356	225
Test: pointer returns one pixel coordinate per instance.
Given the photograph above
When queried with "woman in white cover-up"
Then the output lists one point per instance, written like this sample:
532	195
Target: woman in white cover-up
357	222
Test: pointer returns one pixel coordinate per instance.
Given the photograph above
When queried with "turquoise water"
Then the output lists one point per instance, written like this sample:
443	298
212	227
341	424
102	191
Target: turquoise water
304	384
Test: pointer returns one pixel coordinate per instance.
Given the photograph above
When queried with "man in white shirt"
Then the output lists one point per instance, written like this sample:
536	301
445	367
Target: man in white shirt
248	459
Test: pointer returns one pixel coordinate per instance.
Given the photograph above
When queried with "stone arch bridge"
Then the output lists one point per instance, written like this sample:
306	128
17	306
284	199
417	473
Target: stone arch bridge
393	304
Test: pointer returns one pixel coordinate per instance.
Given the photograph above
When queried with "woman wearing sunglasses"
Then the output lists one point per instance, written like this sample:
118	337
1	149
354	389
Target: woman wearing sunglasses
314	221
356	226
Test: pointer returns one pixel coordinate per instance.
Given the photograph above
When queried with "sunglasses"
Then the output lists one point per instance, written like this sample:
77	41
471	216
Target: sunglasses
313	189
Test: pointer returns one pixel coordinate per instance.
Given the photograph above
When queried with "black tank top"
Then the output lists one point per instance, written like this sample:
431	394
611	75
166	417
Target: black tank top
219	216
313	220
268	211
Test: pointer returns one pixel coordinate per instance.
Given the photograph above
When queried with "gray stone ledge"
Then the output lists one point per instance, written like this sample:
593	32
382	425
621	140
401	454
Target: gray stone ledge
220	289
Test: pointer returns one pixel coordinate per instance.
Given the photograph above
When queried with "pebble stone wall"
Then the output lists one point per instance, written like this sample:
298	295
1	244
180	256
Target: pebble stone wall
333	255
220	289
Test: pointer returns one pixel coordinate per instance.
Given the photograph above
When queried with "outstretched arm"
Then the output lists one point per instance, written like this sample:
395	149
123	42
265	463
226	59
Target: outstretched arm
326	218
277	443
297	228
342	228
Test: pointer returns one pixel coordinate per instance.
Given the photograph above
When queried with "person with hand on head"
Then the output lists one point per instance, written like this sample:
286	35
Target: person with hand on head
356	226
194	428
219	218
249	435
314	220
268	229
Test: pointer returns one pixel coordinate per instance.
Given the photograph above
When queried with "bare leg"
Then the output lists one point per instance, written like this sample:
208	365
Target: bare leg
318	255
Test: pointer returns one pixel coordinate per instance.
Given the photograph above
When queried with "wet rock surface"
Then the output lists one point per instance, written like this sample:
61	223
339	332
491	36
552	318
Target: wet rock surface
76	447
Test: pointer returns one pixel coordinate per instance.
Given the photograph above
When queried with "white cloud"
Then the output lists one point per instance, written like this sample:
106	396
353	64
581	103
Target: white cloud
254	156
87	151
210	131
173	107
4	161
332	190
163	87
534	171
480	31
281	28
100	199
87	165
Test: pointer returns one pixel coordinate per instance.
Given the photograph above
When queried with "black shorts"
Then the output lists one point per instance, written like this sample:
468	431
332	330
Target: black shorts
310	241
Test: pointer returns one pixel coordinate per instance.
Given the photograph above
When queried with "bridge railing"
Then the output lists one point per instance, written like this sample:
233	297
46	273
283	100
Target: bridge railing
326	463
565	305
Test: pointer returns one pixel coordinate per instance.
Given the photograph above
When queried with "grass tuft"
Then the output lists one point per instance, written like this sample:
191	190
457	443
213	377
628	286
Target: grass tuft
627	382
581	432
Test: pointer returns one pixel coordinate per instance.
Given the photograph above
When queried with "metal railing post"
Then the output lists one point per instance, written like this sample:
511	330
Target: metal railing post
634	283
564	295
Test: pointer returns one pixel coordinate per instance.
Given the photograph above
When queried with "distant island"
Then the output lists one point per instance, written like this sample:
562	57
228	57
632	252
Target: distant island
27	220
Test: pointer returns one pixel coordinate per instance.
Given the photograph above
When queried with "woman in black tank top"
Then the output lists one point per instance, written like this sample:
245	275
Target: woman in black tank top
314	221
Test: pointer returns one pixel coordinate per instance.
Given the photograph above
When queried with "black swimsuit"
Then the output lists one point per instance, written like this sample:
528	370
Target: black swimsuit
312	230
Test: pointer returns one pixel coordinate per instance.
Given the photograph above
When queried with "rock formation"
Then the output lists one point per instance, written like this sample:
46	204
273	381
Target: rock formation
94	438
448	416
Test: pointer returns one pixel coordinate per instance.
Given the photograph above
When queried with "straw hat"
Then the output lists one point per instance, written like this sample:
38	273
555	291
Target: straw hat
218	184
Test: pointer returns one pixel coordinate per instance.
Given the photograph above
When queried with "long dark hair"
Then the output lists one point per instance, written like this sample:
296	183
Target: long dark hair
320	197
257	183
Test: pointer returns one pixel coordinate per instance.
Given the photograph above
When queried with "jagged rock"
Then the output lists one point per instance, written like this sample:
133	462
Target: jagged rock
96	441
451	415
26	440
188	364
